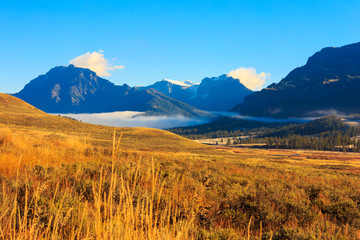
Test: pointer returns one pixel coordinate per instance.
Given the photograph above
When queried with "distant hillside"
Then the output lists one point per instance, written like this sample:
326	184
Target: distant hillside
212	94
225	127
233	127
329	133
17	114
325	124
328	82
79	90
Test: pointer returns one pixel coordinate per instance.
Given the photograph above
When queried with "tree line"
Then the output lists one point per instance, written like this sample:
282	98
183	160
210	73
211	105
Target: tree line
327	133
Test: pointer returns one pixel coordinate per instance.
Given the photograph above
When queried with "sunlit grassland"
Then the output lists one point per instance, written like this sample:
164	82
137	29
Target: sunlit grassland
61	179
58	186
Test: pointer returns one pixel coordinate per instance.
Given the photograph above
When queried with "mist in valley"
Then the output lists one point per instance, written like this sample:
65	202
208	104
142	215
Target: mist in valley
137	119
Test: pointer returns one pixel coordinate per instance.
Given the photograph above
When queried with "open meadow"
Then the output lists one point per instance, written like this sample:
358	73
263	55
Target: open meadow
63	179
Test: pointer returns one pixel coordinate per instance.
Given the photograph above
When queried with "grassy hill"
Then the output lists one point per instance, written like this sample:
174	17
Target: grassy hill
20	115
63	179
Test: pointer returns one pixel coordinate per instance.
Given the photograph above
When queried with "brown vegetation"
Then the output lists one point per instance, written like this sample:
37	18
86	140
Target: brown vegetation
70	180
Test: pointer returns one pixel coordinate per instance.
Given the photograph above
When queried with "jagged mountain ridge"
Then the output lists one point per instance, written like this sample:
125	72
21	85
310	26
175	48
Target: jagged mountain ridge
213	94
328	82
178	90
69	89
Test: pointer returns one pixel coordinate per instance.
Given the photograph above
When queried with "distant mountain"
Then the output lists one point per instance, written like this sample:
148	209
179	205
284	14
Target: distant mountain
219	93
78	90
213	94
178	90
328	82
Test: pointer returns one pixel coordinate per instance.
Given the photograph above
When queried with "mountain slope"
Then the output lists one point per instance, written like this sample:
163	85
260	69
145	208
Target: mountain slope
328	82
213	94
178	90
79	90
161	104
219	93
19	115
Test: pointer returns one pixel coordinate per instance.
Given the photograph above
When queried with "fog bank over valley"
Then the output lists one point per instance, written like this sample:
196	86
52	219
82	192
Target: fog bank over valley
137	119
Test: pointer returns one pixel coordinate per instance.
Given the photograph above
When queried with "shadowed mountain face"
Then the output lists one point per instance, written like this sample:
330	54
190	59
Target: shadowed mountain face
178	90
219	93
330	81
213	94
79	90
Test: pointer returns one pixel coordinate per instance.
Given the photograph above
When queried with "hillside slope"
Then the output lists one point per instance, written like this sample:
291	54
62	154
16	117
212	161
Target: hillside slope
328	82
18	114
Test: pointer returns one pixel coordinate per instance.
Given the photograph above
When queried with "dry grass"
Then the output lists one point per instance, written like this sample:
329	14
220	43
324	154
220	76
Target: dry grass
78	181
20	116
114	207
56	186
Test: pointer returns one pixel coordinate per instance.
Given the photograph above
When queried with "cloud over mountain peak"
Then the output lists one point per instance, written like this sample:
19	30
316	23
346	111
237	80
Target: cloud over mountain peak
96	62
249	77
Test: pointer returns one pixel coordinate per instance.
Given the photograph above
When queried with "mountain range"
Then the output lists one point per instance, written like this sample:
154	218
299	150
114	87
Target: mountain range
78	90
70	89
328	83
212	94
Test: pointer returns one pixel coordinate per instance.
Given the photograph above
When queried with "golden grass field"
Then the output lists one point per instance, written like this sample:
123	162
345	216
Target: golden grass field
63	179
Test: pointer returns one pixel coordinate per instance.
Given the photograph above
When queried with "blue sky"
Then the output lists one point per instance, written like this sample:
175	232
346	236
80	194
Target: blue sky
181	40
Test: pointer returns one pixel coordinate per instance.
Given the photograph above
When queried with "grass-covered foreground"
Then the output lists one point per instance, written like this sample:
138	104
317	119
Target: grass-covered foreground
67	188
62	179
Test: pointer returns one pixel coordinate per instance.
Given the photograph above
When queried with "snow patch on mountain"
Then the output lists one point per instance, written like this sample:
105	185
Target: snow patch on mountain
185	84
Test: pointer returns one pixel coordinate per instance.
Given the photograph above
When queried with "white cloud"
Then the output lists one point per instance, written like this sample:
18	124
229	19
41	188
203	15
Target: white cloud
249	77
96	62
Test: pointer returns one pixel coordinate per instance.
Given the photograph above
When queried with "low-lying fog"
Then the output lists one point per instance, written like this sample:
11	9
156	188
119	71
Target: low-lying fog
136	119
